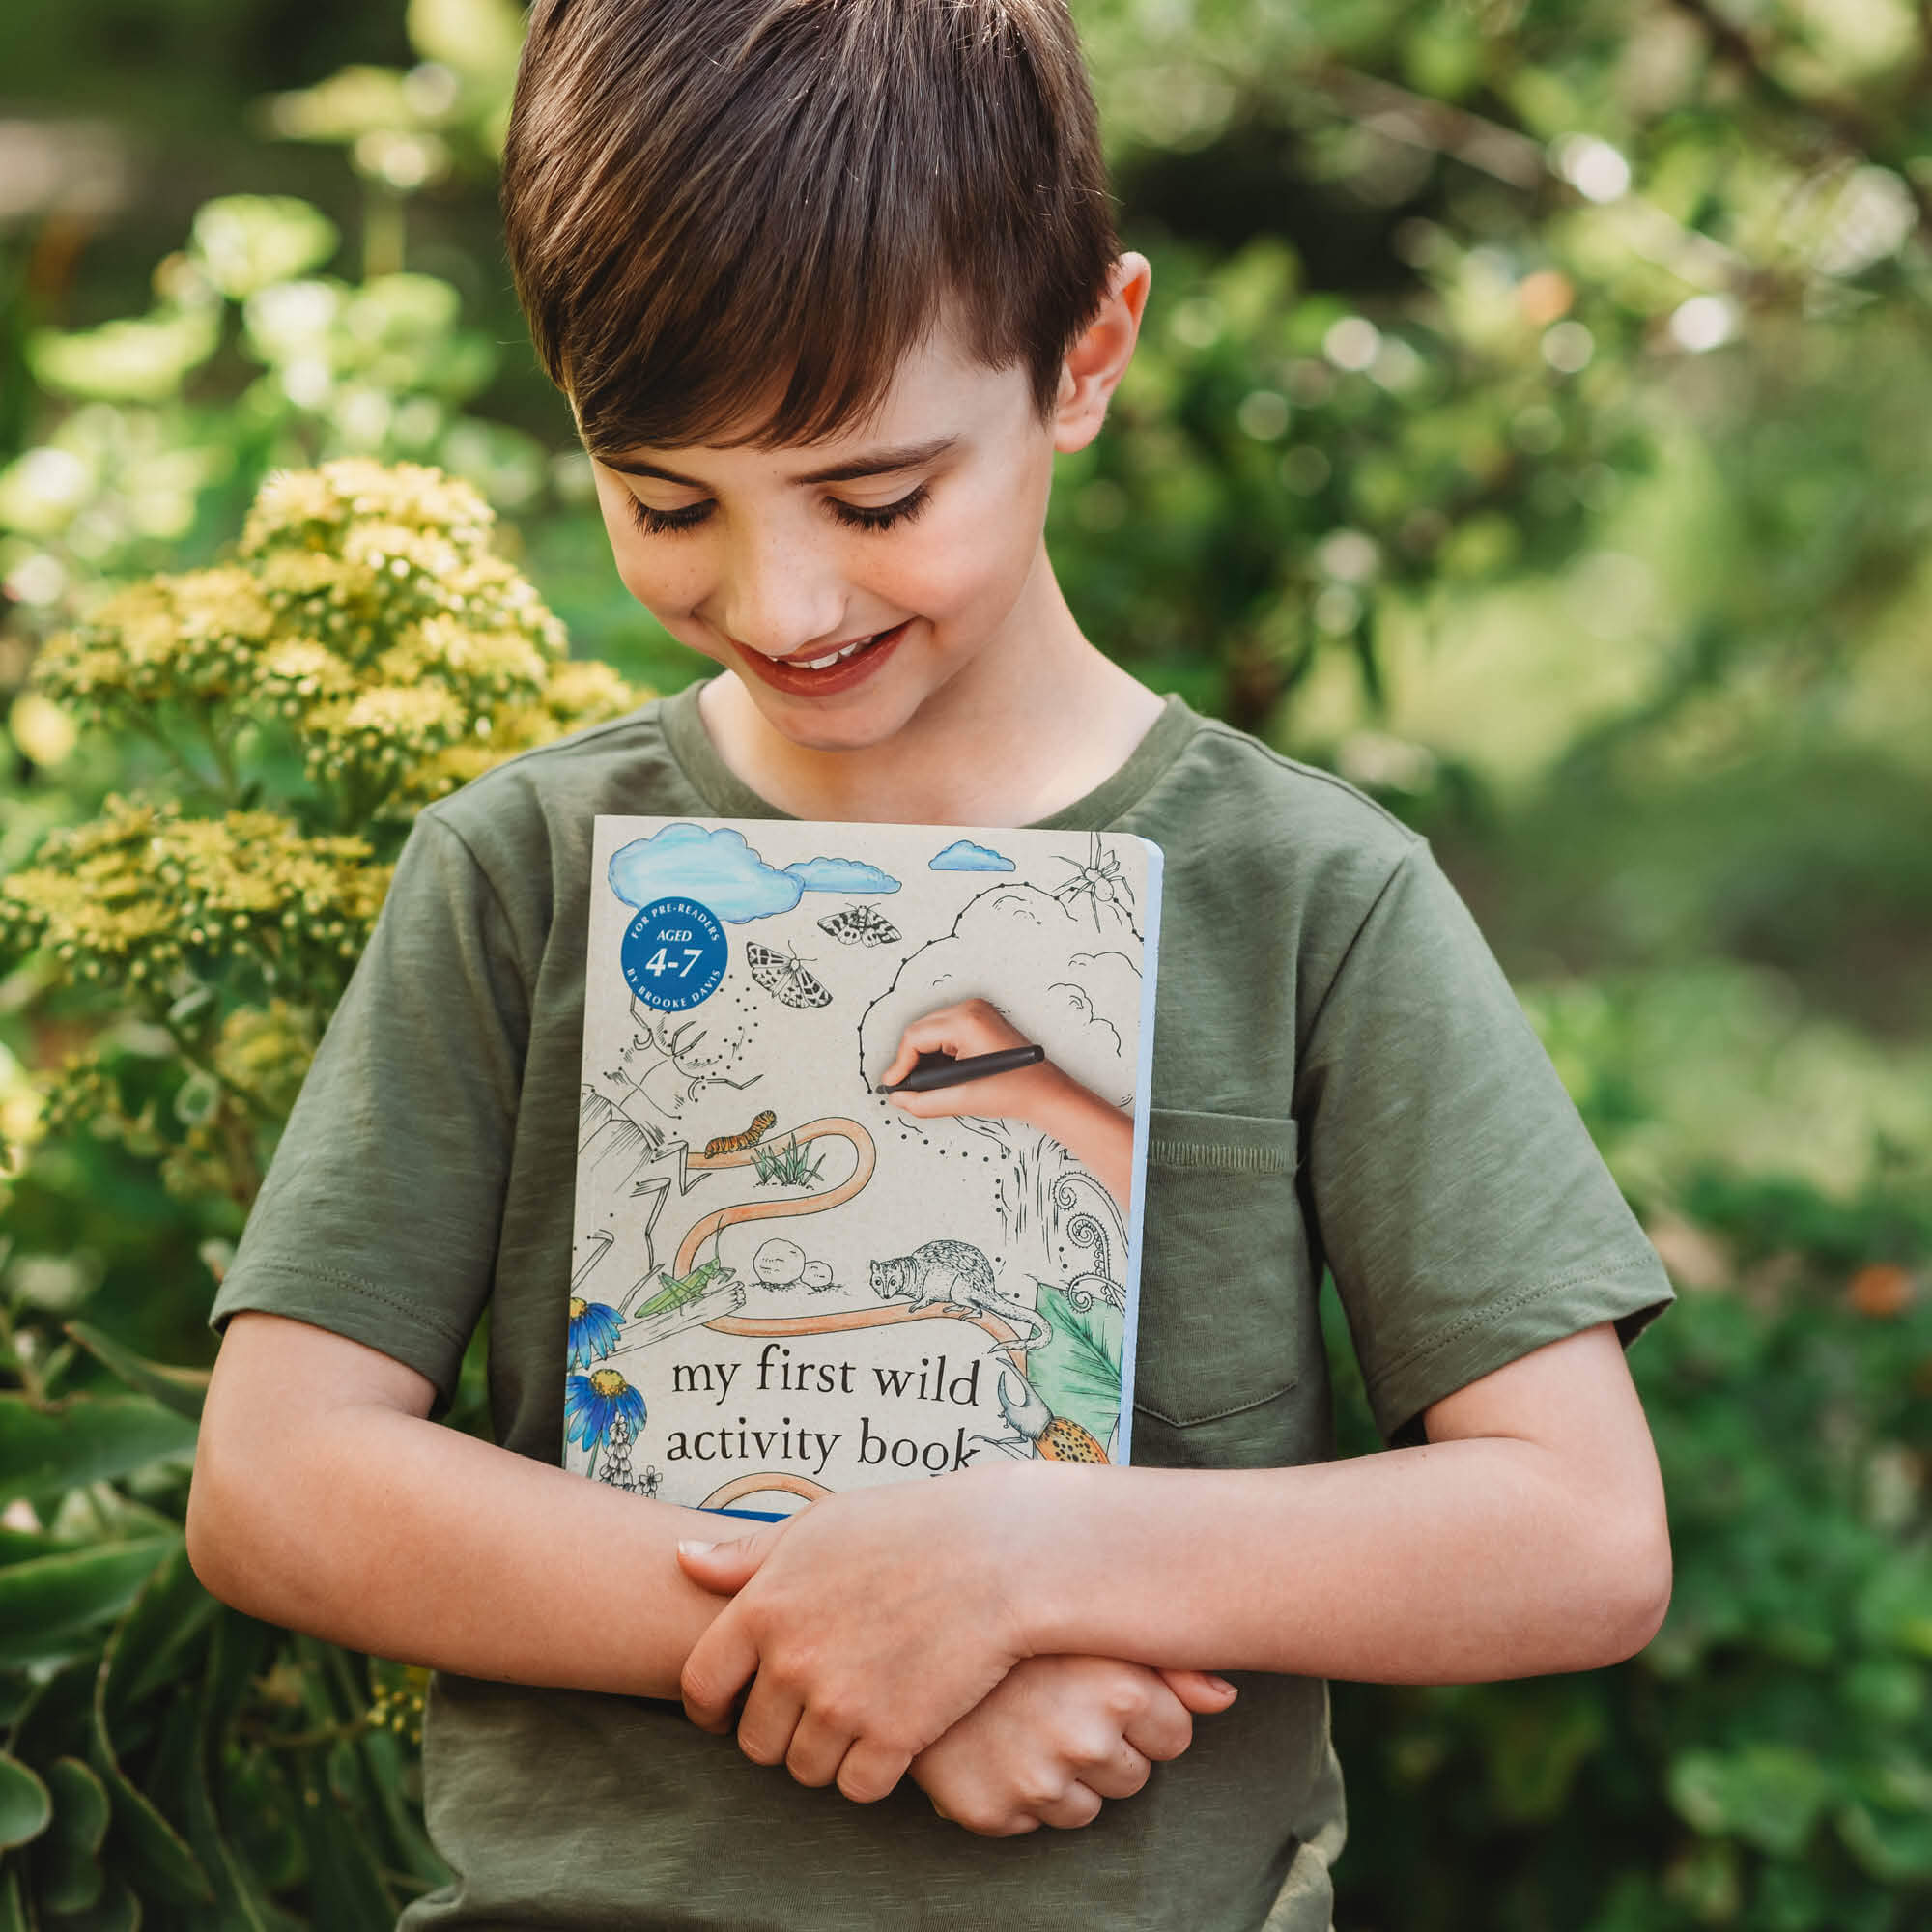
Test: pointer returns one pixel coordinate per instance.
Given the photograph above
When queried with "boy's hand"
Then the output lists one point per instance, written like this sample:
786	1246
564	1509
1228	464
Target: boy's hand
1057	1736
872	1620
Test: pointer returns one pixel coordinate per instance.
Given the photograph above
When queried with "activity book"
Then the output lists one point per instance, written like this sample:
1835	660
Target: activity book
782	1284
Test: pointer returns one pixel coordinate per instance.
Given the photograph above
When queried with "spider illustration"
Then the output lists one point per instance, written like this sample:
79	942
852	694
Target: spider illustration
1099	882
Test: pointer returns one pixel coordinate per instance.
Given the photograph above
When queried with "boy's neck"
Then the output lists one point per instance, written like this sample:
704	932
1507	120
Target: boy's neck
1038	719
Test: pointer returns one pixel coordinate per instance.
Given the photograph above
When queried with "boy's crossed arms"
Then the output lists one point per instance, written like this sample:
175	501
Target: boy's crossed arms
323	1499
950	1627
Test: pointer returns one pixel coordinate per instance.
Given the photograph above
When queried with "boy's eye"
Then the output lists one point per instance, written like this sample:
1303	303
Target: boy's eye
663	523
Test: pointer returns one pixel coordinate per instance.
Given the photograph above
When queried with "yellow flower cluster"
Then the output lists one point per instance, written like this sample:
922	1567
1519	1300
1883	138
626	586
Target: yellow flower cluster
264	1052
366	626
367	618
197	638
160	901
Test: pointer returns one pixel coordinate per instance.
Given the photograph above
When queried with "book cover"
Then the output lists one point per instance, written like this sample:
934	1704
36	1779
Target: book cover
785	1282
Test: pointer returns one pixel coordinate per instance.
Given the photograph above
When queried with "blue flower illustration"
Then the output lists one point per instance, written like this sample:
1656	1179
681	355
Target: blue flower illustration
592	1403
593	1331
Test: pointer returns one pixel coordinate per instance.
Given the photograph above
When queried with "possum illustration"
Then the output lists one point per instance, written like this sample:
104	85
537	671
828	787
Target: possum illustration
958	1274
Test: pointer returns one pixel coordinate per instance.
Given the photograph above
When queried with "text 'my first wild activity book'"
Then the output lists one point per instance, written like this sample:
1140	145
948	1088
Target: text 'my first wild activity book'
784	1284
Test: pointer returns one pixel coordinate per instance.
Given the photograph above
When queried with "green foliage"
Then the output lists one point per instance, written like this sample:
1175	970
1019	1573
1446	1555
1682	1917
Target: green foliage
1767	1762
363	654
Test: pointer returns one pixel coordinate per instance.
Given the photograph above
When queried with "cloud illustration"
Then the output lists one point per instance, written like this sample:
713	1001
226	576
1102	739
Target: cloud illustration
716	868
842	875
963	856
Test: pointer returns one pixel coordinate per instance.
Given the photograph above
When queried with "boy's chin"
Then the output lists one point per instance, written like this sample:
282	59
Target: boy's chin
857	728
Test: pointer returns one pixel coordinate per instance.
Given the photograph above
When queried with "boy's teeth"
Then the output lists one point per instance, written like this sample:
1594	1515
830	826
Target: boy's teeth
838	657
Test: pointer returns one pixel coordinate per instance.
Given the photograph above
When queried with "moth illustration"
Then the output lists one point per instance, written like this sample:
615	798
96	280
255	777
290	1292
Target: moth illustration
784	975
860	926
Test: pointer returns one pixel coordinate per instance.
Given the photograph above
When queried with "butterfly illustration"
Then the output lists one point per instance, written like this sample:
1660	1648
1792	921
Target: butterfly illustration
860	926
785	977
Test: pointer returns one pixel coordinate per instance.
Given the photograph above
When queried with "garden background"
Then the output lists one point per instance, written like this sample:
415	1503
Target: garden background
1531	425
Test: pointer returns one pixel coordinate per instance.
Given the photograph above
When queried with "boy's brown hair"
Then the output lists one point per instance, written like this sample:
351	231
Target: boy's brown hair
723	212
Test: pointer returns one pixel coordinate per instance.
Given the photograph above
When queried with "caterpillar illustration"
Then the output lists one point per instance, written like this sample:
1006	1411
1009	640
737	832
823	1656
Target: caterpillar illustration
751	1137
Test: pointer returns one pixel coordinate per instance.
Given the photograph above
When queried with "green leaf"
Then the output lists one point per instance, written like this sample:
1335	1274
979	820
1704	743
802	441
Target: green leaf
49	1602
116	1909
346	1886
26	1808
1545	1734
53	1721
182	1390
1895	1848
16	1545
1769	1795
66	1446
1078	1370
68	1875
249	242
170	1612
157	1858
242	1901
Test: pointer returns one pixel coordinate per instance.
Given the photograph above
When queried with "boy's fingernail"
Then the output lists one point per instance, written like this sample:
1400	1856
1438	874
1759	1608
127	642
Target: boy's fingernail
1226	1689
696	1549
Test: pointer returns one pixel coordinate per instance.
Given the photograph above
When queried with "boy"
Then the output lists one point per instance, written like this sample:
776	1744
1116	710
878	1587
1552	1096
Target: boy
828	283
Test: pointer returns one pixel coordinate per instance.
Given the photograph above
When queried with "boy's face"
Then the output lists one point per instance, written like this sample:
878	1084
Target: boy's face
931	561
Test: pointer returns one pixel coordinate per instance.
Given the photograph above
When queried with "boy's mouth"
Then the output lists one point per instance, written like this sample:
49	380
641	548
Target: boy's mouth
841	672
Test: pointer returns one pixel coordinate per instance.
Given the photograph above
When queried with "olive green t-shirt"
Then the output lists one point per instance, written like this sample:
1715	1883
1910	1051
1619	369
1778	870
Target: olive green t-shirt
1342	1078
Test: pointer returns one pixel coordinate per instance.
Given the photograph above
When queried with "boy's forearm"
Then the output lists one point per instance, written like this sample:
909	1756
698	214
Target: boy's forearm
397	1536
1456	1562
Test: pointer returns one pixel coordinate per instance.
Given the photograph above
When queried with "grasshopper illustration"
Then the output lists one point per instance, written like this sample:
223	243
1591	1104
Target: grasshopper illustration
680	1293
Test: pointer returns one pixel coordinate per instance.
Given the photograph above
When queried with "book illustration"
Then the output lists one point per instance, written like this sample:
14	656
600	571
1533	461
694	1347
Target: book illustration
860	926
869	1286
953	1274
761	1124
784	977
782	1265
963	856
1099	882
1038	1431
674	1074
1086	1230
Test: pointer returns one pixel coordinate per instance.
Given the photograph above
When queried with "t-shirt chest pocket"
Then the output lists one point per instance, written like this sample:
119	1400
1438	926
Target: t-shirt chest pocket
1227	1307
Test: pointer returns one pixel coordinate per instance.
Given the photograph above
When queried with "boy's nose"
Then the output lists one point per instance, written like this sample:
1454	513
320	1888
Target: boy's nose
776	599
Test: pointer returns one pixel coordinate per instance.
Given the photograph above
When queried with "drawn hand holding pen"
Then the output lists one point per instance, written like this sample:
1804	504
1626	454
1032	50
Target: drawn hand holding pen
1102	1137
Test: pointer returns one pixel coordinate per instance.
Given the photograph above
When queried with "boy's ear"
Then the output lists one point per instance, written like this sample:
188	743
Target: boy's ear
1100	358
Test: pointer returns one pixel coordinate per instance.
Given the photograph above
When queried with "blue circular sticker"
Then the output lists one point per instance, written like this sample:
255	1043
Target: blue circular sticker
673	954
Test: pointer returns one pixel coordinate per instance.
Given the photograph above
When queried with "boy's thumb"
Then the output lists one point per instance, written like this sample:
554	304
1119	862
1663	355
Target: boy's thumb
726	1567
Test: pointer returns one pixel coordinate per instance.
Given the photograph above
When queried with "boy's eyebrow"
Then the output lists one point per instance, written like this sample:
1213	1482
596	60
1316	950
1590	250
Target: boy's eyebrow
875	463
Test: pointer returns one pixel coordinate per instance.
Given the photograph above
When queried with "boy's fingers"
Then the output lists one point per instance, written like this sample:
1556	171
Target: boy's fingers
1121	1777
816	1751
719	1664
1203	1693
1162	1731
1079	1805
870	1771
767	1724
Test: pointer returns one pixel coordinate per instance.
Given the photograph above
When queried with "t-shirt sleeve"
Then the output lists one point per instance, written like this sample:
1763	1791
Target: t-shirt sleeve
1466	1213
380	1216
